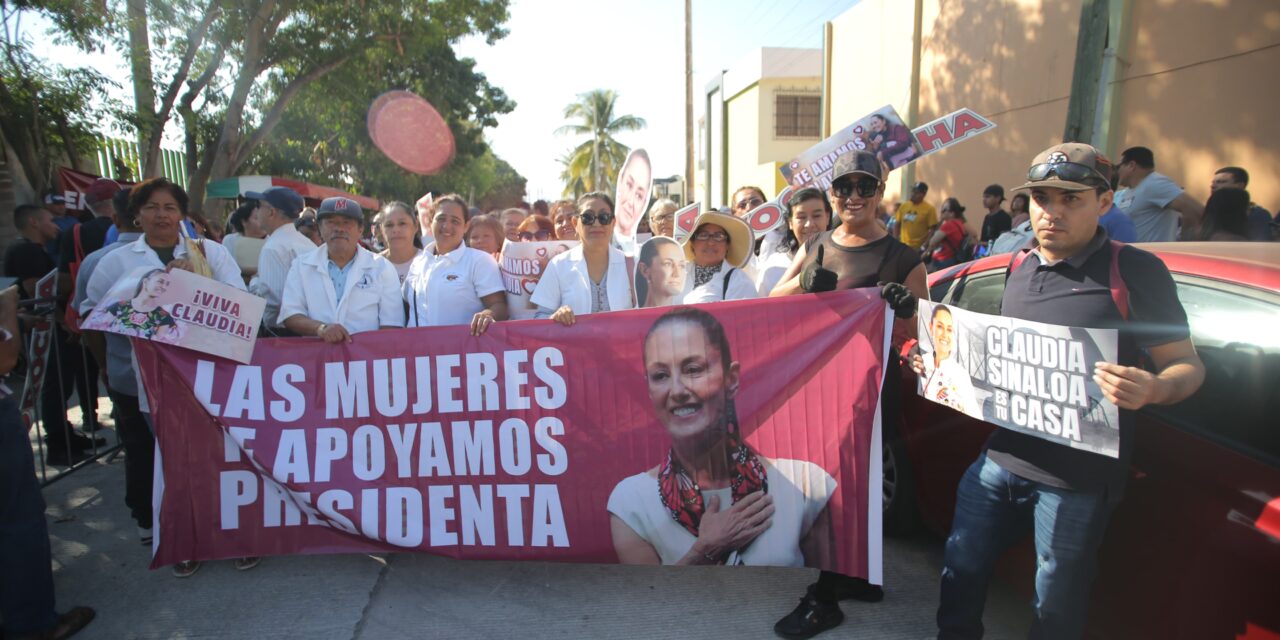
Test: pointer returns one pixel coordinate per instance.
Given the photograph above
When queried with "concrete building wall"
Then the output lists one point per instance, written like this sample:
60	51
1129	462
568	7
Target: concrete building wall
743	159
1195	82
1201	91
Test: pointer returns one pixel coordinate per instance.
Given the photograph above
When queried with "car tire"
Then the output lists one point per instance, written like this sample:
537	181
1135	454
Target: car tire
901	517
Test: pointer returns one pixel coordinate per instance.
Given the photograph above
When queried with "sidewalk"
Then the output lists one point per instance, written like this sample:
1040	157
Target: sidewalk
98	562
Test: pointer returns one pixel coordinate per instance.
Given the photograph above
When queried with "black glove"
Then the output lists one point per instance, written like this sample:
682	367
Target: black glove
900	299
814	278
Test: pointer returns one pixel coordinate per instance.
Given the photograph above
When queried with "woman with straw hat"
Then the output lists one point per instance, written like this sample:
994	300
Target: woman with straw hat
717	250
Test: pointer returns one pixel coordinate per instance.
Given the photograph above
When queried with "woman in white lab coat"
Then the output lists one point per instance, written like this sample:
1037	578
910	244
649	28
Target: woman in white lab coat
592	277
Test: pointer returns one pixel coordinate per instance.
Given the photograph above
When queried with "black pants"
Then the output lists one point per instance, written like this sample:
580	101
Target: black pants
140	452
70	369
26	577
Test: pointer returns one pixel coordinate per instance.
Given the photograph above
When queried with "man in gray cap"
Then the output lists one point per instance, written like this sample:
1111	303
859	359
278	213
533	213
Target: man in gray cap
277	208
340	289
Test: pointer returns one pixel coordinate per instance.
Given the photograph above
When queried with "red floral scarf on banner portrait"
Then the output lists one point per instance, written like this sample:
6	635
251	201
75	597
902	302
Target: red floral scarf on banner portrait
682	496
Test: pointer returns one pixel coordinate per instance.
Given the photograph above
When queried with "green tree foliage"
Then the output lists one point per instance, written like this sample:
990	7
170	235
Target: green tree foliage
323	137
235	71
594	164
48	117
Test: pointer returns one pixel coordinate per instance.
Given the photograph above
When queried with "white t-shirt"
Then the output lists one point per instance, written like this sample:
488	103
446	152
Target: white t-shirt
771	267
800	492
741	286
446	289
1148	207
370	299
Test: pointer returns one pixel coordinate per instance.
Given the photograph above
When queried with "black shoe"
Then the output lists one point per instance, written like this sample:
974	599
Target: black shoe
81	441
851	588
56	455
811	617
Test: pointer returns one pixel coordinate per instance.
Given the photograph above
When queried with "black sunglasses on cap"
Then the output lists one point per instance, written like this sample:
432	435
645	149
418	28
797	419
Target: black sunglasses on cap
844	187
590	217
1068	171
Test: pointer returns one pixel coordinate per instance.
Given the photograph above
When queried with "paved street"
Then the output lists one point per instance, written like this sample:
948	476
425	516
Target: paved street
98	562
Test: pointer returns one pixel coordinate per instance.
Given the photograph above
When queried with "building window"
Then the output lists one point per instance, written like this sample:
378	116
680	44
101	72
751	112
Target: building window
797	116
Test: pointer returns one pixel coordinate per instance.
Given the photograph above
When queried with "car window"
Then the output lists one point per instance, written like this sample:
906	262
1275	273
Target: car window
1233	328
979	292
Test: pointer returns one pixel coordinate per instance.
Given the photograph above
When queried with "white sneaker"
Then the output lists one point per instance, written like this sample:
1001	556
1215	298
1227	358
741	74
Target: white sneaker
144	535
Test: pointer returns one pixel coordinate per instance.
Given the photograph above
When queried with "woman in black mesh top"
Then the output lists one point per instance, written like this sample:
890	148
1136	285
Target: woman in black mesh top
856	253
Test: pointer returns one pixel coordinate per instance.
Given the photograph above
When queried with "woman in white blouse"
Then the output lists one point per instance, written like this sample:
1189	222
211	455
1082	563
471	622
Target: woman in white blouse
717	250
450	283
400	231
591	277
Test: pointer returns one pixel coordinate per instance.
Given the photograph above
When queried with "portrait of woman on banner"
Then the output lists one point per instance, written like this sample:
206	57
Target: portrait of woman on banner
712	499
943	378
140	315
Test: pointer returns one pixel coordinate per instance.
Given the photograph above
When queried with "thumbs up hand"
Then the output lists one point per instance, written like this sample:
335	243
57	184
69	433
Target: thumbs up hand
815	278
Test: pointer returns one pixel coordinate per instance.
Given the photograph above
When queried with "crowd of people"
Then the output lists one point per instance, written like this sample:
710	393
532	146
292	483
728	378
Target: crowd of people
325	273
1148	207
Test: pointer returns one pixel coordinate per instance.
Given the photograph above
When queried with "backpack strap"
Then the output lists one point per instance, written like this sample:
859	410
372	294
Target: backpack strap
1115	282
75	234
724	290
1119	290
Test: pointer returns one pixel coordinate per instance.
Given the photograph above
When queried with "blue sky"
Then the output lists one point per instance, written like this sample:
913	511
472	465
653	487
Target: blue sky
558	49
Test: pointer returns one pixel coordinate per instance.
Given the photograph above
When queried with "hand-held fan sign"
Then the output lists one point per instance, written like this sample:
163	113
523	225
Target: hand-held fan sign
631	199
410	132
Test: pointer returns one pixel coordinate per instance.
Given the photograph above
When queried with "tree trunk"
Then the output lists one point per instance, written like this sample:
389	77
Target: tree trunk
144	90
154	134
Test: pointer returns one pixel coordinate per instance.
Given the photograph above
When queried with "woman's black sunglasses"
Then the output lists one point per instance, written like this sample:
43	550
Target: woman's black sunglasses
865	186
589	218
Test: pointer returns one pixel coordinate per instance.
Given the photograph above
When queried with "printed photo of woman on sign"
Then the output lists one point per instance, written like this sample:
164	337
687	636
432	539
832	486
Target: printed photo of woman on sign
943	378
892	141
712	499
635	181
140	315
660	271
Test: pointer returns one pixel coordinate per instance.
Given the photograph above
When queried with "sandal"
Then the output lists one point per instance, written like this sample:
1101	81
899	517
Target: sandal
186	568
245	564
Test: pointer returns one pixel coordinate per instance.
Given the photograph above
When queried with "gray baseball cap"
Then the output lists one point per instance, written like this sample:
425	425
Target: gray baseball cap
863	162
339	206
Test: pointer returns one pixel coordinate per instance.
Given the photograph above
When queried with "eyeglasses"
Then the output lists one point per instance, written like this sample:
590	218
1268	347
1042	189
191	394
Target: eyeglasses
1068	171
711	236
748	204
845	187
590	217
528	236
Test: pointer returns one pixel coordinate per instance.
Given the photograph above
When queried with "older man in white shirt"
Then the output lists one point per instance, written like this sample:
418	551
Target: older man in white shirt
339	288
278	208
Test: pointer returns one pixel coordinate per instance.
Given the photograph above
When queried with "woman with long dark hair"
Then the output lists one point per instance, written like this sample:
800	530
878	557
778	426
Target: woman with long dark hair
1226	216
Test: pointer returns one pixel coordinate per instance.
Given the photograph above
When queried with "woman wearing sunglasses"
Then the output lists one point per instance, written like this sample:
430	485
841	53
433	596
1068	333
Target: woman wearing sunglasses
717	250
857	253
536	228
591	277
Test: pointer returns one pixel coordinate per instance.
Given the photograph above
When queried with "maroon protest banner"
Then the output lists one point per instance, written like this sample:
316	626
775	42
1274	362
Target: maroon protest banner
612	440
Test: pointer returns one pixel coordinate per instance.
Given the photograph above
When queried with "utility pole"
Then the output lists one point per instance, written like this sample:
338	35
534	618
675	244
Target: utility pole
1090	44
688	102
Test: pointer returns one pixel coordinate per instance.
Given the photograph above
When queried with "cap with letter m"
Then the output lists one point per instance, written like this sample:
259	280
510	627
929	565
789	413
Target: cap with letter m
340	206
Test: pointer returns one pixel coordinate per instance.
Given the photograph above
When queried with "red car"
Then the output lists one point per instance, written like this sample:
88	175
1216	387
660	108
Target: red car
1193	550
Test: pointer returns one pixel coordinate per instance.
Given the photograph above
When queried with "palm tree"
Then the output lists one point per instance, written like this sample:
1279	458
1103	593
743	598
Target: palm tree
574	183
593	165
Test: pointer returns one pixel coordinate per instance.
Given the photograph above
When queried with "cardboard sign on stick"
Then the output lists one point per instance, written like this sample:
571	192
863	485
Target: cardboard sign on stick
881	132
631	199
